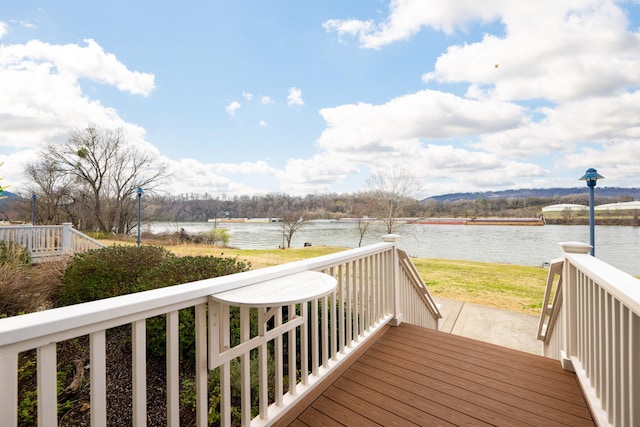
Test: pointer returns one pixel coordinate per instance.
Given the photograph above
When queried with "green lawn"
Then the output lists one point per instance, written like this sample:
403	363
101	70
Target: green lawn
512	287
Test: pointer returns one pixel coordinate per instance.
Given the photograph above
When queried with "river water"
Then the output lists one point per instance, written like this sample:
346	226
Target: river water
522	245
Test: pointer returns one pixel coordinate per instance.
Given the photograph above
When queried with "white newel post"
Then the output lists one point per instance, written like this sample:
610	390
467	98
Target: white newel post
570	303
31	237
395	277
67	239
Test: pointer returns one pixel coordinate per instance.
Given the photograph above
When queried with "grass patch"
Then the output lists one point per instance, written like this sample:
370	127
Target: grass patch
512	287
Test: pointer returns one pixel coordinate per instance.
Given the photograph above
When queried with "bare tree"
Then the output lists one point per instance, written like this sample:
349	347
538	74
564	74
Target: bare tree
52	189
363	226
391	191
106	172
363	220
292	221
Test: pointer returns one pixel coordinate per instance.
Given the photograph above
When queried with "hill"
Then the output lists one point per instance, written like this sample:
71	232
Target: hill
550	193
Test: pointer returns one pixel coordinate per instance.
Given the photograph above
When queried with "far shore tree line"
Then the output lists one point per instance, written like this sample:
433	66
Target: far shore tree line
92	181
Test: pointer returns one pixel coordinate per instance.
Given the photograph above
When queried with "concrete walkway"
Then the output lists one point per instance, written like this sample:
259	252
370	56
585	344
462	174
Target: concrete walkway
493	325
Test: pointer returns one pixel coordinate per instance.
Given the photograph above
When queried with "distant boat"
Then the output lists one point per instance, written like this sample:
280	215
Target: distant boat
505	221
443	221
245	220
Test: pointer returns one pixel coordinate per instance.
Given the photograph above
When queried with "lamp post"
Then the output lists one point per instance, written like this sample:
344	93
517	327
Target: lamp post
591	176
33	209
139	198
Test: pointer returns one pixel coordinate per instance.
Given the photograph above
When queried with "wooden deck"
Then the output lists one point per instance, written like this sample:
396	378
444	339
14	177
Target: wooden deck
415	376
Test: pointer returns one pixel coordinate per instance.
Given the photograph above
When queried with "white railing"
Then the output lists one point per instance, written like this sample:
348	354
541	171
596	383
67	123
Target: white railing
48	242
294	355
415	297
598	334
550	319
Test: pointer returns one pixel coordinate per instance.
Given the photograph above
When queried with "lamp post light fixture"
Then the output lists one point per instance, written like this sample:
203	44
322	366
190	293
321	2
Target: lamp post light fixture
33	209
139	198
591	176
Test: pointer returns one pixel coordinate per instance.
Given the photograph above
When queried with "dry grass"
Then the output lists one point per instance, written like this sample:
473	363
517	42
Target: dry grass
28	288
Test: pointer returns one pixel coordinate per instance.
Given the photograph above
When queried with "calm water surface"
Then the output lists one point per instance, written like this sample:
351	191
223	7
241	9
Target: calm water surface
522	245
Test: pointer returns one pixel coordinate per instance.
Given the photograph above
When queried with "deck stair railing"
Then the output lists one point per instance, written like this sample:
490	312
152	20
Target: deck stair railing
597	333
295	348
415	296
550	319
49	242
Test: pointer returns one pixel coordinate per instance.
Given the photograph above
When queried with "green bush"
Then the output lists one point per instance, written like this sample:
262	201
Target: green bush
219	236
216	236
176	271
189	269
108	272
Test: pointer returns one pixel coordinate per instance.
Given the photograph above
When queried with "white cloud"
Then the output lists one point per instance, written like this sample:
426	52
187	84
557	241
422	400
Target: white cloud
247	95
193	176
295	96
596	120
42	100
362	138
317	174
407	17
263	123
584	51
3	29
74	62
267	100
232	107
351	27
410	118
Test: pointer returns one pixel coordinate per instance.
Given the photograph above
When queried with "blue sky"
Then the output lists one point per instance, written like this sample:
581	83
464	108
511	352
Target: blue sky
249	97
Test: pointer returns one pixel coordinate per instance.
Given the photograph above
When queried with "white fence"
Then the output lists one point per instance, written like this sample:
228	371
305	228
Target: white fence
301	345
593	327
48	242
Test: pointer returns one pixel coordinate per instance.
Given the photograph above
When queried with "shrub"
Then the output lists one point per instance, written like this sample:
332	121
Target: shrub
12	281
216	236
14	253
176	271
25	288
189	269
108	272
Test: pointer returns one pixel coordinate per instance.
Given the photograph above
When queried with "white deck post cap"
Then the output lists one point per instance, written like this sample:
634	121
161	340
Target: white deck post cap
575	247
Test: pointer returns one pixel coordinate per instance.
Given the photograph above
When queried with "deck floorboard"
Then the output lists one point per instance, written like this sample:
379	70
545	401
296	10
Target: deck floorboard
415	376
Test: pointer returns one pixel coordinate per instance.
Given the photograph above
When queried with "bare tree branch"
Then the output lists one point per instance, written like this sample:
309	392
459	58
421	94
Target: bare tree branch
391	191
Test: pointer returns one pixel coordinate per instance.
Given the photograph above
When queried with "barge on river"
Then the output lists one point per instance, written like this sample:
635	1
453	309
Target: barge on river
482	221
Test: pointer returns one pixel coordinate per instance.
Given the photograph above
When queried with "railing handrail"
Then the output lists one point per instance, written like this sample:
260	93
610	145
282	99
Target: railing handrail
27	226
416	280
48	242
620	284
63	322
551	310
90	239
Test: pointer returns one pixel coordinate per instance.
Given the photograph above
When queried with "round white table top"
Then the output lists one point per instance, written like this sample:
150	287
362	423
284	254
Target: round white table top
291	289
